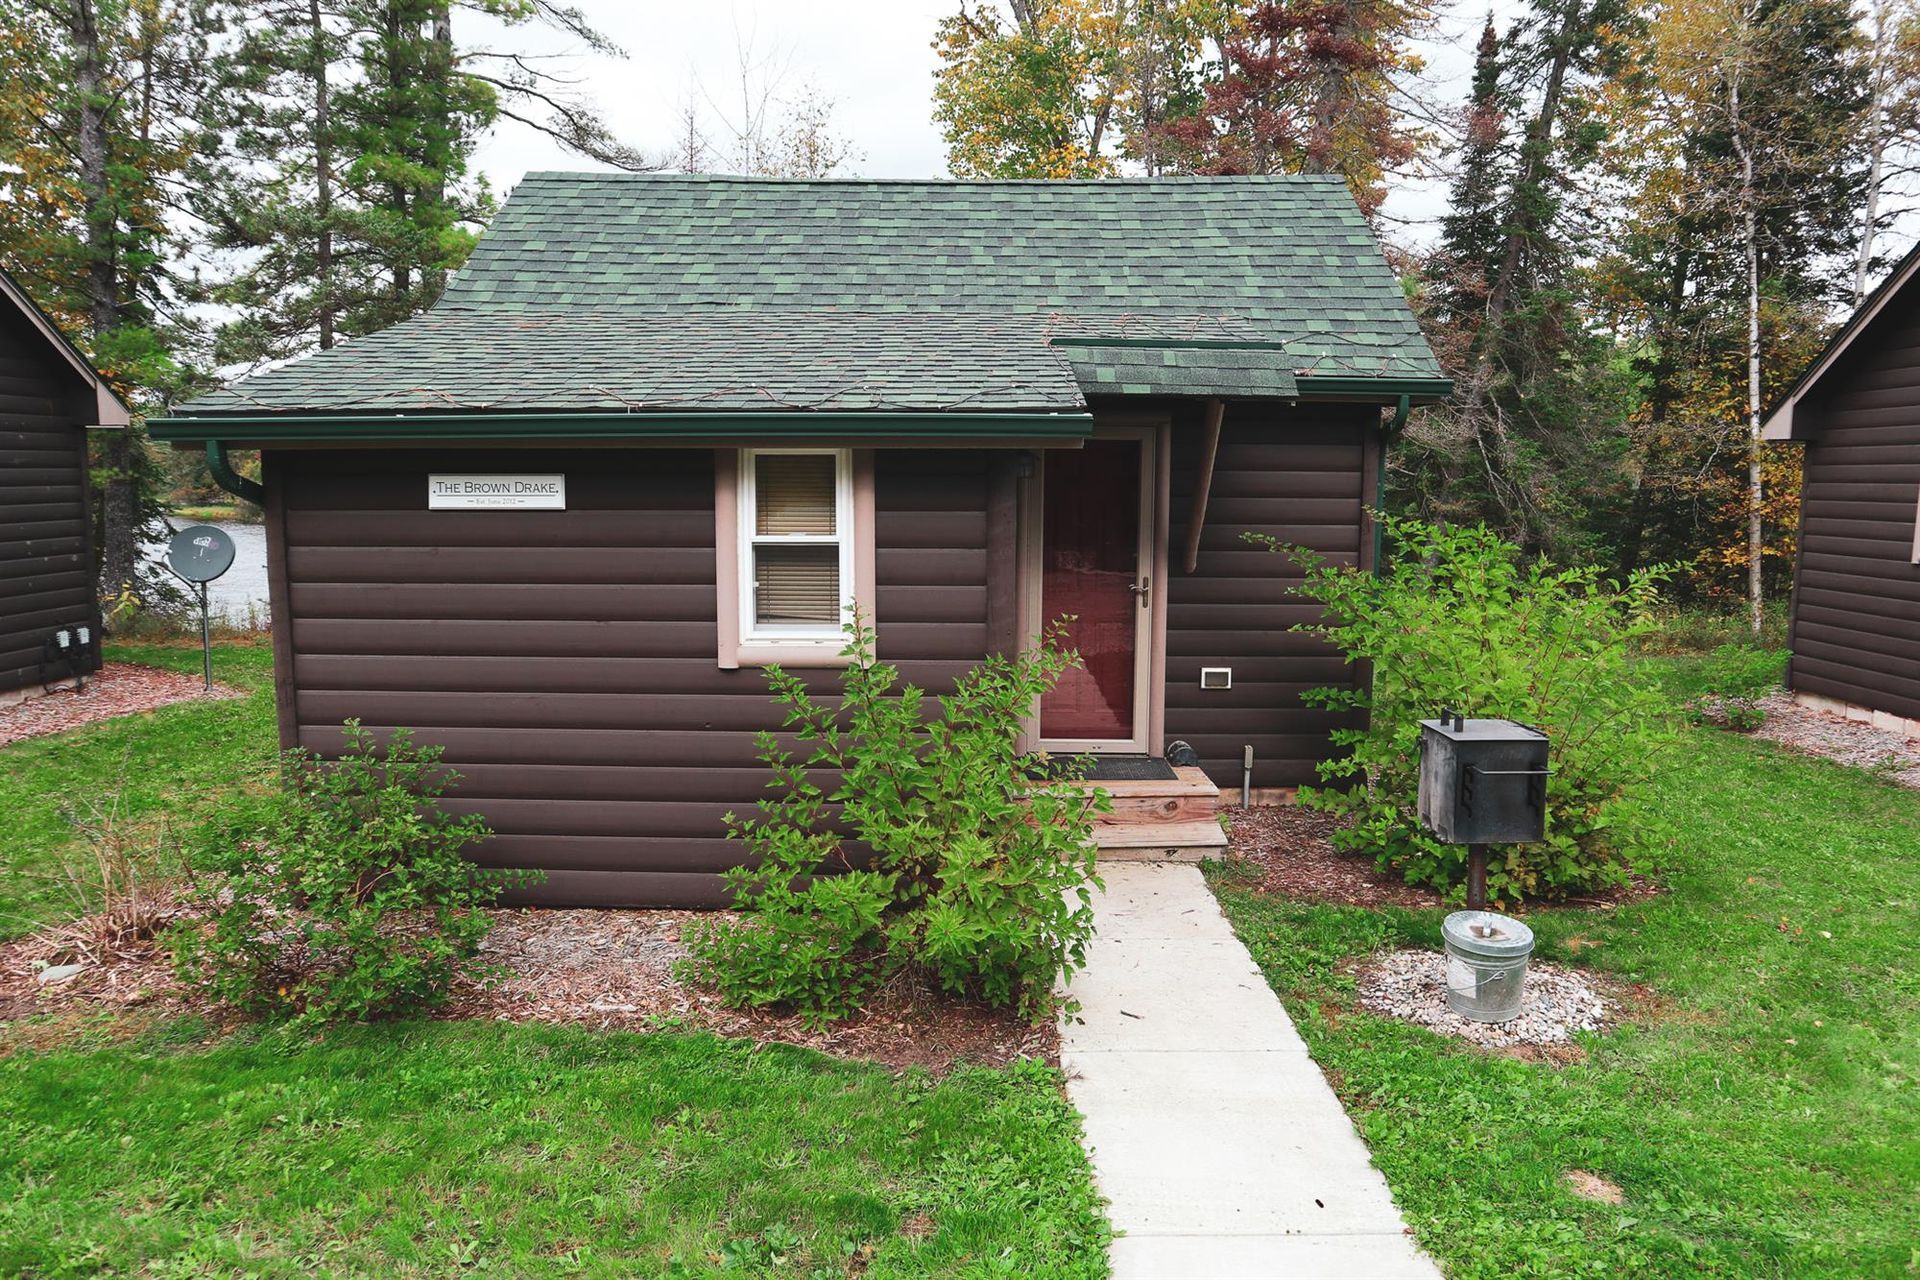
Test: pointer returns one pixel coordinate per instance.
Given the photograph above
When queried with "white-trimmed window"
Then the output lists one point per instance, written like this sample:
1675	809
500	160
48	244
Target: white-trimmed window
796	545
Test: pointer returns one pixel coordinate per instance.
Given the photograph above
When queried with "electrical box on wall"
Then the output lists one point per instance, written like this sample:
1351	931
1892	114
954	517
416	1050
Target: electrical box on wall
1216	677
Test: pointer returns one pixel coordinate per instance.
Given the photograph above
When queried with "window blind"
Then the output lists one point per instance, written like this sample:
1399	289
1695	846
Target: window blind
797	585
794	493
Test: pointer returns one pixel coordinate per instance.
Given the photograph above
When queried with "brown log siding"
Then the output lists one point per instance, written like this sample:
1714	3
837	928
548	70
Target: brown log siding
46	562
1299	476
1856	609
565	659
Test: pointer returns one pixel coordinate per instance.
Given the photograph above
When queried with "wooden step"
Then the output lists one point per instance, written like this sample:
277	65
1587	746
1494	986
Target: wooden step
1190	841
1189	797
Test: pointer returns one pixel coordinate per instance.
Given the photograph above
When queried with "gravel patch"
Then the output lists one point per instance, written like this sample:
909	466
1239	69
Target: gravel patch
120	689
1411	985
1844	741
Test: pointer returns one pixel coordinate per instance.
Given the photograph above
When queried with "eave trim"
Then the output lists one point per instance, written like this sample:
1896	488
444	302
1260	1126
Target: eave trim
1779	424
109	410
283	428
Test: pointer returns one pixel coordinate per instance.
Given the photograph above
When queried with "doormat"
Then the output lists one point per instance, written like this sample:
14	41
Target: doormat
1109	769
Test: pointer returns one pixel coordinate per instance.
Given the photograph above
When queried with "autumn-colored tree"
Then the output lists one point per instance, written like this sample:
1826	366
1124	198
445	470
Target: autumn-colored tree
1029	93
1068	88
1306	86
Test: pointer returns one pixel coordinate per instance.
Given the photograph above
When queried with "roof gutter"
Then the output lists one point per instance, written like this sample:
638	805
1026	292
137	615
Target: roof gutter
287	428
232	481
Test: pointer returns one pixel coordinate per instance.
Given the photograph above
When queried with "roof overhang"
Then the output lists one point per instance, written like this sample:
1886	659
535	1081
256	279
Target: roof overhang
266	429
1782	423
109	410
1385	391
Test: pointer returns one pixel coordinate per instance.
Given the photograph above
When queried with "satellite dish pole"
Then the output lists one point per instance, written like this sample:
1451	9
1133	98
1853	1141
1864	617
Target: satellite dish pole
197	555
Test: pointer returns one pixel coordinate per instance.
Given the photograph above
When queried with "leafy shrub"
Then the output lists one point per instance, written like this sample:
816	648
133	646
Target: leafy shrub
343	896
1460	619
946	856
1735	677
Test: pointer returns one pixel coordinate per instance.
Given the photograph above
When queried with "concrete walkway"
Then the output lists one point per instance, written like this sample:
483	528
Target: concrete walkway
1219	1144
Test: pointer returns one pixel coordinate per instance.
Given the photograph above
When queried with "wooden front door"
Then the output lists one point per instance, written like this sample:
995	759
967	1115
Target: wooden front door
1096	563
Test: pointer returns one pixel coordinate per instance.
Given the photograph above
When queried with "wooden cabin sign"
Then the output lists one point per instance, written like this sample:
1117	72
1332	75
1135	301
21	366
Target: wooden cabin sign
466	492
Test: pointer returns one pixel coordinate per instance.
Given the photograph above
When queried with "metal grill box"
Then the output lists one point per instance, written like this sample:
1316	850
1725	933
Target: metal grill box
1483	781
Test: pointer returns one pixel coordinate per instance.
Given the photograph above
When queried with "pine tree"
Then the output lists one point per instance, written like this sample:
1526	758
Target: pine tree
1470	231
99	108
351	125
1532	438
276	211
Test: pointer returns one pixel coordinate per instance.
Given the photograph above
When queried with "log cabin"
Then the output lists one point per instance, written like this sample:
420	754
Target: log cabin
660	432
49	396
1855	614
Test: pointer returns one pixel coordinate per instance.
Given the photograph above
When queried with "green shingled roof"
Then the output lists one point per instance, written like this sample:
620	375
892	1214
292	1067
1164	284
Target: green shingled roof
595	292
1155	369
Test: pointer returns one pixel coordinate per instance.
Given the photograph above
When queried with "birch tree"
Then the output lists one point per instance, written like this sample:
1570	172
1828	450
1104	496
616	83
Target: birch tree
1890	123
1742	147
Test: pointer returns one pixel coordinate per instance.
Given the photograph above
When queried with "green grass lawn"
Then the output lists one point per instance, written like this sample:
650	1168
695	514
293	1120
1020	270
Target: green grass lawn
444	1148
173	764
1761	1110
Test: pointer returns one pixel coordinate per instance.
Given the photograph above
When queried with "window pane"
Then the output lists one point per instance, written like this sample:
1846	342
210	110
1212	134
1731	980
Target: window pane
794	493
796	586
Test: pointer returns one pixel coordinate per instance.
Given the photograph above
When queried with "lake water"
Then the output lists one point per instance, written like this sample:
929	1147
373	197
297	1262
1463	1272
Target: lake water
240	594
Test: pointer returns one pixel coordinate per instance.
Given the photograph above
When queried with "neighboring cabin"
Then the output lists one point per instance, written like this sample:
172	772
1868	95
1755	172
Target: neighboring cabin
49	396
1856	598
661	432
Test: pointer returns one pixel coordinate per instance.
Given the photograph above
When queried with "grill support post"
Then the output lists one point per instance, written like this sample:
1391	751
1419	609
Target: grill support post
1476	877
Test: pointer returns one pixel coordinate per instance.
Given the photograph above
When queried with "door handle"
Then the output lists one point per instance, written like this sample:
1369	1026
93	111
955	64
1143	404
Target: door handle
1142	590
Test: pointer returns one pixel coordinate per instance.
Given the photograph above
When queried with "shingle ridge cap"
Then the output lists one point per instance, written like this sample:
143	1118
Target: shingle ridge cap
581	176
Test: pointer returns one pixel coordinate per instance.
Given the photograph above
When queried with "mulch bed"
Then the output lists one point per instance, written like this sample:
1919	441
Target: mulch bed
120	689
1286	850
1844	741
611	970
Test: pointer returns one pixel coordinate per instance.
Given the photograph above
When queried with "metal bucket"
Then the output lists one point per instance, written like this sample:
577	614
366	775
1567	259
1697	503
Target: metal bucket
1486	965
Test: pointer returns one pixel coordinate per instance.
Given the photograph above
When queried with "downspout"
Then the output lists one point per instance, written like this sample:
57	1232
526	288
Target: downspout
1380	473
232	481
1203	484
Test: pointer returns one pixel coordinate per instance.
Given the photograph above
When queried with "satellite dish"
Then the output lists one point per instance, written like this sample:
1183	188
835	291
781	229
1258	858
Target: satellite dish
200	553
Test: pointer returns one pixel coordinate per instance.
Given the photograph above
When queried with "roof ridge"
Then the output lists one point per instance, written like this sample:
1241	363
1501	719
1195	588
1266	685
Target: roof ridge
1126	180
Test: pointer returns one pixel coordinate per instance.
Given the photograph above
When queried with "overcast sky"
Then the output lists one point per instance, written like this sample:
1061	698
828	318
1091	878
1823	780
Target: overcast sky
874	58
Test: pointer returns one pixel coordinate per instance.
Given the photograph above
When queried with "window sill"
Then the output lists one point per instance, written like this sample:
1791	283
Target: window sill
792	653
